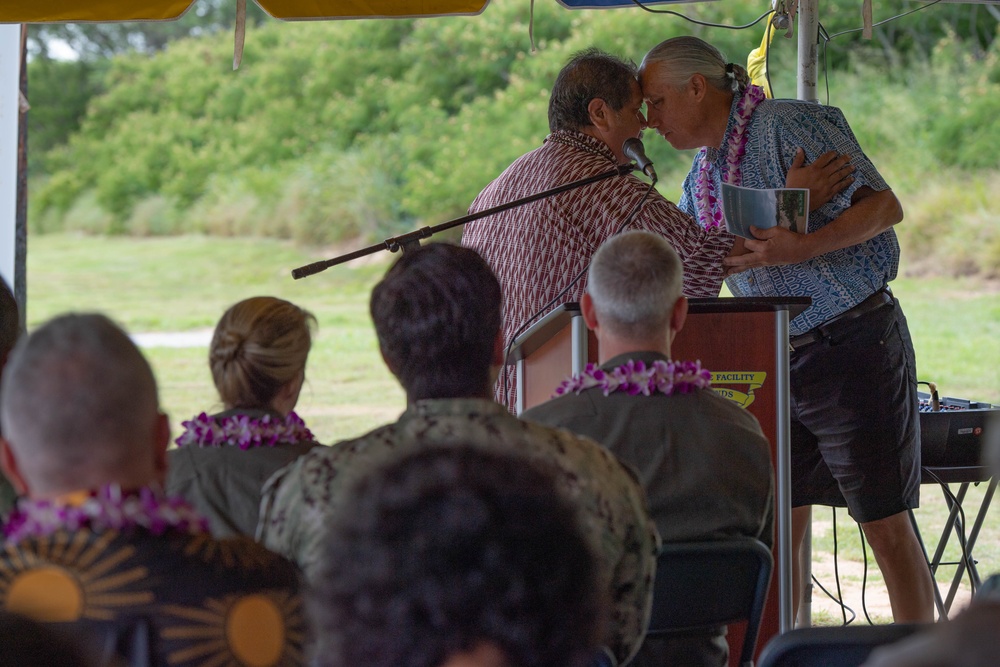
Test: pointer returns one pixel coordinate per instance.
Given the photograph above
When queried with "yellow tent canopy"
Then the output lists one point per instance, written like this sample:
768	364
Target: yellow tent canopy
71	11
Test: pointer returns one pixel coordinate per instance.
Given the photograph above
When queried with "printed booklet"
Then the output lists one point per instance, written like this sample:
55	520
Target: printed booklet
784	207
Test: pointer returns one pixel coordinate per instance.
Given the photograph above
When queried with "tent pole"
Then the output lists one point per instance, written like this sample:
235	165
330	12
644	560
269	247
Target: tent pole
808	36
21	212
10	81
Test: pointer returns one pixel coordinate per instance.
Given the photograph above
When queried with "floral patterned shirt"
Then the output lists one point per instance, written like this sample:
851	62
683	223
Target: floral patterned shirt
301	499
837	280
207	601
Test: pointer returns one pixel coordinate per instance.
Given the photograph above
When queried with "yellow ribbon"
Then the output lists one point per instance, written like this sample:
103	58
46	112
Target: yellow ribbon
757	61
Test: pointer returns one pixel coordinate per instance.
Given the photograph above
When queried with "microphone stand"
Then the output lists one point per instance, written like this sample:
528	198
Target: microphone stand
411	240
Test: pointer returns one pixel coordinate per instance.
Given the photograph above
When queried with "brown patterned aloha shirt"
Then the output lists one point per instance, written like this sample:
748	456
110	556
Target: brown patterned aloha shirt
536	249
301	499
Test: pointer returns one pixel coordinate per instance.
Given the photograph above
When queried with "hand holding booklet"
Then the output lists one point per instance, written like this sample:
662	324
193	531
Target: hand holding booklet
780	207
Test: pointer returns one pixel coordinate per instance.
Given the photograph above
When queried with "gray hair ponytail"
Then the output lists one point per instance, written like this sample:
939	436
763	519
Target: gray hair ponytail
686	56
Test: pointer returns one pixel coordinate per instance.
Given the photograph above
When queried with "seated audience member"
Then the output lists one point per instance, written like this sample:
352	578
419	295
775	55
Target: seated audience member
971	639
26	643
94	537
10	331
258	360
456	557
437	317
703	461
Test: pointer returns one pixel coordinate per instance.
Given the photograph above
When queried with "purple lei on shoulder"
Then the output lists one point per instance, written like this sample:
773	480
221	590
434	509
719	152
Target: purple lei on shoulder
108	508
244	431
634	377
706	198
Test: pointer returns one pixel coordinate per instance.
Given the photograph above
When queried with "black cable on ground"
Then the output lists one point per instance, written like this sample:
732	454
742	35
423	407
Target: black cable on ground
839	597
864	575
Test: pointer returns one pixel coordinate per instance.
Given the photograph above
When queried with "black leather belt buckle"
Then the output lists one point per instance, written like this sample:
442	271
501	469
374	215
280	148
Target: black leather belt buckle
808	338
880	298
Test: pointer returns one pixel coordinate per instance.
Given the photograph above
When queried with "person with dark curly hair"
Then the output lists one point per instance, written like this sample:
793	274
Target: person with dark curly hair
457	556
437	317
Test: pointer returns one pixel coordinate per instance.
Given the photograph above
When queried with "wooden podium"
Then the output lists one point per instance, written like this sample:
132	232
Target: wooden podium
744	342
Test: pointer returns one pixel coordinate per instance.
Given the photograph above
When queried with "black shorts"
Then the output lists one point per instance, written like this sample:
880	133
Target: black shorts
855	423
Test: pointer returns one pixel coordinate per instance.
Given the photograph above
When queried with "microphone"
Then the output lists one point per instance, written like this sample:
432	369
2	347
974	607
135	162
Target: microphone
634	150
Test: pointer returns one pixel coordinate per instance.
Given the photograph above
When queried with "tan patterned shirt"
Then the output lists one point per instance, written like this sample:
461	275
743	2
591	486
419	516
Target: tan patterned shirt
301	499
537	249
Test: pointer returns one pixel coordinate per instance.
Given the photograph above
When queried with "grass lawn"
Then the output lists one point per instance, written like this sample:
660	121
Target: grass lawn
183	284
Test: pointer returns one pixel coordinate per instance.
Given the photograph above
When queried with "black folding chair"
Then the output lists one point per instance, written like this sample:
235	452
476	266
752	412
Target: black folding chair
845	646
702	585
127	642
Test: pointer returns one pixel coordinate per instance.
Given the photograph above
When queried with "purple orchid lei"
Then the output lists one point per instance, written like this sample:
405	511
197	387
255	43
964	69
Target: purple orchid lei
706	198
243	431
634	377
108	508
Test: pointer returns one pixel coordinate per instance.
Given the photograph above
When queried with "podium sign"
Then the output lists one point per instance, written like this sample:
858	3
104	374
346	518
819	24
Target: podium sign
744	342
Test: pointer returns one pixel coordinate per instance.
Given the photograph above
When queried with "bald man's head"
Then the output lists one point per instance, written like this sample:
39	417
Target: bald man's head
79	408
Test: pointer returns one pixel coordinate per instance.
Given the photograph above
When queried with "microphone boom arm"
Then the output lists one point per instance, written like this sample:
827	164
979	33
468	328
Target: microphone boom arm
411	240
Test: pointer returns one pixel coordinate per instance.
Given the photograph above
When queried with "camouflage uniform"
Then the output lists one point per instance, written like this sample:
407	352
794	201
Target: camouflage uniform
301	499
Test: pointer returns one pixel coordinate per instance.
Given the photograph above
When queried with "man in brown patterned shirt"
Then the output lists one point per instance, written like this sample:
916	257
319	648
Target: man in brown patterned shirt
437	316
536	249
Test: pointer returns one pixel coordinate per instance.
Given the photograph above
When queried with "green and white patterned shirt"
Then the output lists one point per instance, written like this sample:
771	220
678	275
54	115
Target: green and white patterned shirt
301	500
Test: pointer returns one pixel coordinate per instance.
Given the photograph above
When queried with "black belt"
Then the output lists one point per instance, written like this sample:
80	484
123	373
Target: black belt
822	332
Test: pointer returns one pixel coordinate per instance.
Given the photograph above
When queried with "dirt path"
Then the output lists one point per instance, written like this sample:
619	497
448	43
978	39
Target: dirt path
195	338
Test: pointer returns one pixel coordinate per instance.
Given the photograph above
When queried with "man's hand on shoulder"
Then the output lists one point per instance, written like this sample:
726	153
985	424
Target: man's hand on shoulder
772	247
823	177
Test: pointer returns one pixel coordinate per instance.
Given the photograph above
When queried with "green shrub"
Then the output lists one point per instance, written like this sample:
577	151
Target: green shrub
155	216
86	215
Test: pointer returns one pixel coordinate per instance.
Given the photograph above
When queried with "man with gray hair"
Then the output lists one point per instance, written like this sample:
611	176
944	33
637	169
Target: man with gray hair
535	250
703	461
854	418
95	539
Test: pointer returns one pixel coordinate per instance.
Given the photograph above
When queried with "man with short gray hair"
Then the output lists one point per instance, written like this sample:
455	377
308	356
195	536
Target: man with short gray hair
703	461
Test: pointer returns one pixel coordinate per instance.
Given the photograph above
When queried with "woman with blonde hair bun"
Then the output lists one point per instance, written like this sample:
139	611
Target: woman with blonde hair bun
258	359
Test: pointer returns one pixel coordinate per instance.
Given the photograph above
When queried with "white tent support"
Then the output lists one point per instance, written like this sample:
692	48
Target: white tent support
10	77
808	60
808	36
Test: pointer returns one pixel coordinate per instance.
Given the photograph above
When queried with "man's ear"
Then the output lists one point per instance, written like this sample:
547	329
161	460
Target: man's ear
385	360
600	113
678	316
498	349
161	444
8	463
697	86
588	311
